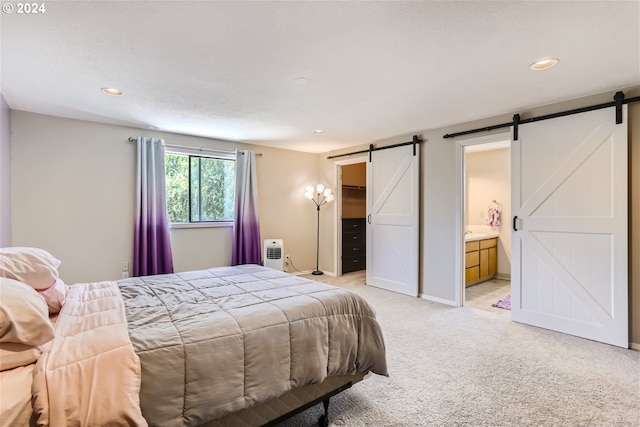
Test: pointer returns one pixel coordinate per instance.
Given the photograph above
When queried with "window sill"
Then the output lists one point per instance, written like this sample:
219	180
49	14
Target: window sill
201	225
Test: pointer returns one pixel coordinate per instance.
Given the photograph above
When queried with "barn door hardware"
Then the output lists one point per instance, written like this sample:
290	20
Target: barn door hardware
516	122
416	140
618	102
619	97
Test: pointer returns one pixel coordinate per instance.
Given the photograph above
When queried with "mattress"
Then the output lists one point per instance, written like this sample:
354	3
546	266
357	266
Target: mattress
218	341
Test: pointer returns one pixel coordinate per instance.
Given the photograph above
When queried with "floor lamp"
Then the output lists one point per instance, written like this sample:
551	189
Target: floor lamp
320	196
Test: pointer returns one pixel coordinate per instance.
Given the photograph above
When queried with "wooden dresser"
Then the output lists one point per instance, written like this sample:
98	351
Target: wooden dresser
354	244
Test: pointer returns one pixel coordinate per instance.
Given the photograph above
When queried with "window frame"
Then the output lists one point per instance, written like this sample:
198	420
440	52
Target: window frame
209	153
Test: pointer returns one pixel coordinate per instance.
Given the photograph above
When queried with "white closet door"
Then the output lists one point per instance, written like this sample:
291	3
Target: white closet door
392	229
569	254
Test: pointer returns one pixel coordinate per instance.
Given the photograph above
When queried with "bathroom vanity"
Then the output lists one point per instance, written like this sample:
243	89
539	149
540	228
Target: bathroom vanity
481	258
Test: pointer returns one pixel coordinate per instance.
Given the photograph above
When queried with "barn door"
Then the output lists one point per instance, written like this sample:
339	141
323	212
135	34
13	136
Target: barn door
392	220
569	253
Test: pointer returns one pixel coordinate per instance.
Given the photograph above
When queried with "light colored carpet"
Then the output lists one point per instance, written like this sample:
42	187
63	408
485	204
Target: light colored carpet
469	367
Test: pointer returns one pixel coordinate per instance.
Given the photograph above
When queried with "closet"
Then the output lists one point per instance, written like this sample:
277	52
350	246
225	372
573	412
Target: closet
354	207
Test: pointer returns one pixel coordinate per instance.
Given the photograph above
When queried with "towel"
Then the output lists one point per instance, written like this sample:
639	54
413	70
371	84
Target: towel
493	217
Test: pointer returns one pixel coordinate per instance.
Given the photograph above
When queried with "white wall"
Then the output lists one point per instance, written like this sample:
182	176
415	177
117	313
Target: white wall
488	176
73	189
5	173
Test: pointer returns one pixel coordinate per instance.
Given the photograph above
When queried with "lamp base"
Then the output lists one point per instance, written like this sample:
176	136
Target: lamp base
317	272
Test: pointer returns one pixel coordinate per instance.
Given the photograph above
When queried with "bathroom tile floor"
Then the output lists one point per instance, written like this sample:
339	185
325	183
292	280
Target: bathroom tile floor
482	295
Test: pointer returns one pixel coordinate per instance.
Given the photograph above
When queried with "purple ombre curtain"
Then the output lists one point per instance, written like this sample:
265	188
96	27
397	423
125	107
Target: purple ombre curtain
151	245
246	247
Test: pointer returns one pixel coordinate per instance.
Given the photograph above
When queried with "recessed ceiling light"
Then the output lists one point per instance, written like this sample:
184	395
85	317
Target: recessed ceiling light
318	131
543	64
111	91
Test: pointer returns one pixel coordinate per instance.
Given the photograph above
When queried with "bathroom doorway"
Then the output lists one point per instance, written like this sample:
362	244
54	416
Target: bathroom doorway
485	244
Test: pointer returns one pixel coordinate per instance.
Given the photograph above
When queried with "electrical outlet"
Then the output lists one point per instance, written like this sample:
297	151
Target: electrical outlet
125	266
125	274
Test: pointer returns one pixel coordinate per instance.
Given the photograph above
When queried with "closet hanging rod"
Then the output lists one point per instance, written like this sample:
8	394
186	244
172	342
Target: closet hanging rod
618	102
132	139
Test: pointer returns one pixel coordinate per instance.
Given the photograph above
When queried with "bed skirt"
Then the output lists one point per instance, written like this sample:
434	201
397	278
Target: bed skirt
267	412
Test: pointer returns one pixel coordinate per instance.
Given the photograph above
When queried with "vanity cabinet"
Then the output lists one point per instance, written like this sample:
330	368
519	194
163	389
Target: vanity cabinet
481	260
354	244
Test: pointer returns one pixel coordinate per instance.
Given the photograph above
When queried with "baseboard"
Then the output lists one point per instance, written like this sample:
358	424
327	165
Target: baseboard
634	346
439	300
300	273
503	276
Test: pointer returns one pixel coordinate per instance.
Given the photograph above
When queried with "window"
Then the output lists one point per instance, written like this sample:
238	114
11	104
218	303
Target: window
200	189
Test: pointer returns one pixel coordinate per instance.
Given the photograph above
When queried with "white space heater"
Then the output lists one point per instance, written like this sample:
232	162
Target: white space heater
274	254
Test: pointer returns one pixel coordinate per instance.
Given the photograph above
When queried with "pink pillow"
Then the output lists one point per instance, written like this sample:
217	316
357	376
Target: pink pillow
54	296
33	266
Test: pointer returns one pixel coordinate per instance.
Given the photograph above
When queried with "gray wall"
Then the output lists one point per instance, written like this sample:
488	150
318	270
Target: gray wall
5	173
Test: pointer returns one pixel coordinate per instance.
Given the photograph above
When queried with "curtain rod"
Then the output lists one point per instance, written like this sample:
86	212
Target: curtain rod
132	139
618	102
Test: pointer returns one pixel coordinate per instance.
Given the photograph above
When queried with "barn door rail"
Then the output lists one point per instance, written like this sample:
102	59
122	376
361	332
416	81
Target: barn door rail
415	141
618	102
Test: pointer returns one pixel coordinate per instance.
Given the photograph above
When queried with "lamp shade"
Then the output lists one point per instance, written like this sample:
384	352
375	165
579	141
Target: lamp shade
320	188
308	195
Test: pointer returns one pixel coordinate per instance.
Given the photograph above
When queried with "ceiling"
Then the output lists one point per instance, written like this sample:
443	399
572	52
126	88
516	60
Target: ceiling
271	72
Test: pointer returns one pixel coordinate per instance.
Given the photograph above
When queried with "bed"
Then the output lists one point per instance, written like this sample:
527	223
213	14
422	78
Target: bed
240	346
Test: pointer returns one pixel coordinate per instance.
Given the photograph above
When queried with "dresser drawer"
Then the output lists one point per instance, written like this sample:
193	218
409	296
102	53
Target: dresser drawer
353	250
353	224
353	263
353	239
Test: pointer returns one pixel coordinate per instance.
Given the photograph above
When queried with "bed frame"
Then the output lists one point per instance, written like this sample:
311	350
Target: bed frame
273	412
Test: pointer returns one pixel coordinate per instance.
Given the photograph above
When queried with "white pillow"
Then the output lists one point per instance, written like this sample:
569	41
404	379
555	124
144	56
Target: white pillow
33	266
24	316
14	354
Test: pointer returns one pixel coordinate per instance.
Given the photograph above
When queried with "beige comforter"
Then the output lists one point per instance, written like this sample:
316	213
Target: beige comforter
216	341
89	374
